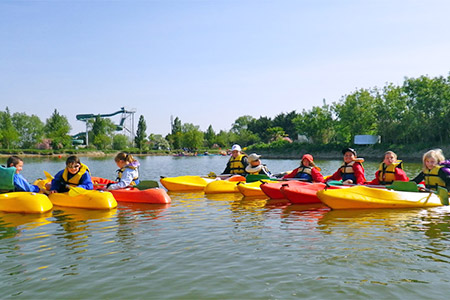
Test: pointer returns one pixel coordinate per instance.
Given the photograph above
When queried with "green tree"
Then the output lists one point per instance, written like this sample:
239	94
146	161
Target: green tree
210	136
241	123
102	131
260	126
57	128
192	136
9	135
175	136
30	129
286	121
158	142
316	124
276	133
120	142
139	140
356	115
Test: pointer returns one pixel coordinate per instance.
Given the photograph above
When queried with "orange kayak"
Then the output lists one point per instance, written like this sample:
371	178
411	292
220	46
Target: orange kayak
151	196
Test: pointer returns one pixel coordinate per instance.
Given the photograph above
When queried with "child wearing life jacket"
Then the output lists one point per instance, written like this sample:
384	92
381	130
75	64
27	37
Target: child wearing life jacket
255	166
389	170
237	162
20	183
128	172
75	174
351	170
307	171
435	172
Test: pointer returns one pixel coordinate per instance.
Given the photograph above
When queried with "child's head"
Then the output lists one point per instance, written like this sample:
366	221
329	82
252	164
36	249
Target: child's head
308	160
349	155
389	158
73	164
253	159
122	159
432	158
236	150
15	161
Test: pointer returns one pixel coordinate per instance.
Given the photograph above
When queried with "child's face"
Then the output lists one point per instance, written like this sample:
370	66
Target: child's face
430	163
389	159
305	162
73	168
120	163
255	163
19	167
349	157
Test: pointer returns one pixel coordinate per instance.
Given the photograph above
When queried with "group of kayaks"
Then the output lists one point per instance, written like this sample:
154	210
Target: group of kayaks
334	194
29	202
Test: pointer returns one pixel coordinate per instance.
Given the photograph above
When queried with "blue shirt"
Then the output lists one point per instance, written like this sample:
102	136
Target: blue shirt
22	185
58	183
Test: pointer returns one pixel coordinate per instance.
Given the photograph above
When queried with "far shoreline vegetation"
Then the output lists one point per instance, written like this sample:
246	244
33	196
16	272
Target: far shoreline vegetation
410	119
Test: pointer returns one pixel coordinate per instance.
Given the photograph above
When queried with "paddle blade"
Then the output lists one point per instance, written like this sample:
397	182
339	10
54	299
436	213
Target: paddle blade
48	175
443	195
75	191
147	184
404	186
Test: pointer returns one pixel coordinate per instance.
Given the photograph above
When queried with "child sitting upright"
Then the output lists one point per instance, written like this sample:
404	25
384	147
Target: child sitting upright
307	171
389	170
20	183
351	171
434	174
128	173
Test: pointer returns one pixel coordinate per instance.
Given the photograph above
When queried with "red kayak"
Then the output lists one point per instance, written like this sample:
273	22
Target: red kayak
304	194
272	189
151	196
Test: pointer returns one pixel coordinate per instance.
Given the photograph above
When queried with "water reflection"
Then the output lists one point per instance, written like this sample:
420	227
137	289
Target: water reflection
12	224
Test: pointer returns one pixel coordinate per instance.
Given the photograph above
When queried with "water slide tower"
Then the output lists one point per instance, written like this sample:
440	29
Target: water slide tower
126	123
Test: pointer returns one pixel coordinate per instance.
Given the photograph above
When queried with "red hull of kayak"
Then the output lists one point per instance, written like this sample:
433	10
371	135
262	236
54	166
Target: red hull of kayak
151	196
305	194
272	189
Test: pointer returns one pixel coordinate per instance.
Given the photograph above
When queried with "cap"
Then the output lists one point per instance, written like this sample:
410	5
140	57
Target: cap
349	150
236	147
253	157
308	157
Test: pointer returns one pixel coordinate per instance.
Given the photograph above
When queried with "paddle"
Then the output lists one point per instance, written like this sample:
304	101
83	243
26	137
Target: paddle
75	191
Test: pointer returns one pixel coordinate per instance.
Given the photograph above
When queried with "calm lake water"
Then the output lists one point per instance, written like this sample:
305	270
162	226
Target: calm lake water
222	246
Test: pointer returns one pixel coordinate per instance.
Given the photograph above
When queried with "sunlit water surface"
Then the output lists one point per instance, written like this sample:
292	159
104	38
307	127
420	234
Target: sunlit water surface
222	246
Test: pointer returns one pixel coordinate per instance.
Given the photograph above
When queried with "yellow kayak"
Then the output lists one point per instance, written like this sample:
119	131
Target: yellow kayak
25	202
222	186
366	197
185	183
252	189
87	199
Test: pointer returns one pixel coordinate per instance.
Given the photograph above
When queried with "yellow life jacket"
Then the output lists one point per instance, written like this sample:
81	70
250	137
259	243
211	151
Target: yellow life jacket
75	179
432	179
236	165
387	173
120	173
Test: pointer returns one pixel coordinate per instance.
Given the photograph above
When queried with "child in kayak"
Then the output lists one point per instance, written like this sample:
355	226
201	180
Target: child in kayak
351	170
255	166
128	172
389	170
308	171
237	163
434	173
75	174
20	183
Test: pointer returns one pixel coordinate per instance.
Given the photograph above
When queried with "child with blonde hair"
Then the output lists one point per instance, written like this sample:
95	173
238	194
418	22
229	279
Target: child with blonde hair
434	173
128	172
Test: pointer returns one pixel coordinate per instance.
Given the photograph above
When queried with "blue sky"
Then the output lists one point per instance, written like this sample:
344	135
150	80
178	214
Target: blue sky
210	62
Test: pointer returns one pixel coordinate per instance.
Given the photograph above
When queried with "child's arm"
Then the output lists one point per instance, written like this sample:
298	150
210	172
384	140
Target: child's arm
86	182
316	175
127	177
400	175
21	185
359	173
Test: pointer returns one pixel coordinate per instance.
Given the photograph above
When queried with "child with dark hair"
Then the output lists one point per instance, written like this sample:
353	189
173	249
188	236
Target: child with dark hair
20	183
75	174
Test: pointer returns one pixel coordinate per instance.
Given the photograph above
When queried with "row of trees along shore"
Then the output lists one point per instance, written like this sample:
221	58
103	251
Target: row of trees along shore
417	112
